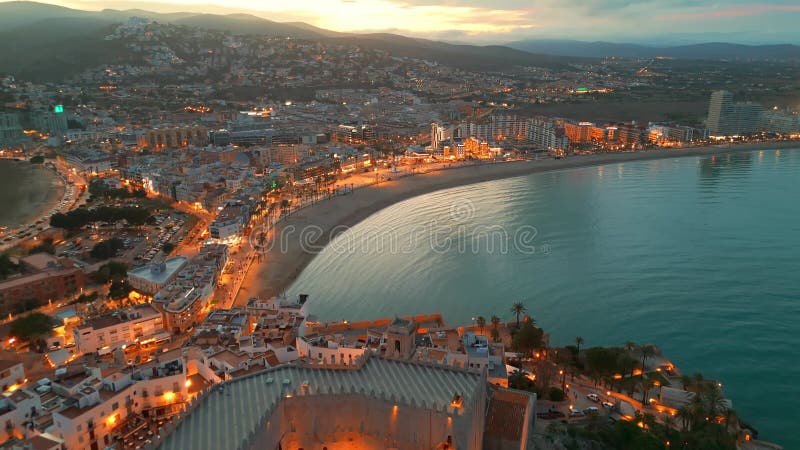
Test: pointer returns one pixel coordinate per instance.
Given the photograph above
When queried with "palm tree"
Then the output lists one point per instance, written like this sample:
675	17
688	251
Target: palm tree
578	342
648	351
481	321
495	328
730	418
518	309
686	415
495	335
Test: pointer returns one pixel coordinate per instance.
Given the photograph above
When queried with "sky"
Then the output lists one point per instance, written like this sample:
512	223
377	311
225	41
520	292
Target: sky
500	21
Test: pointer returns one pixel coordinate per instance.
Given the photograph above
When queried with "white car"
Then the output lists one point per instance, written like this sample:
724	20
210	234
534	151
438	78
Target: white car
608	405
593	397
591	410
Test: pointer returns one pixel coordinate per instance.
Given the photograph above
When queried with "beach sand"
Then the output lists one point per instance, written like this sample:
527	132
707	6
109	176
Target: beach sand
282	264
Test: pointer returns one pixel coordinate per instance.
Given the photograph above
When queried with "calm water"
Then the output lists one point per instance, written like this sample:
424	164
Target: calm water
25	190
698	255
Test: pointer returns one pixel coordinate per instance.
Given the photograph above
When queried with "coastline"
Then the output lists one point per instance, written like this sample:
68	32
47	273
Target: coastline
52	190
281	266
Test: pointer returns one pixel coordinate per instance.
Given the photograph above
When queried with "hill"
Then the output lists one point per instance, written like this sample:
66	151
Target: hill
39	38
707	51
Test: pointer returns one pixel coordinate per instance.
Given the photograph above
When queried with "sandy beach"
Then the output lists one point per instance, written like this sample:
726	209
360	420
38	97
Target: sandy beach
282	264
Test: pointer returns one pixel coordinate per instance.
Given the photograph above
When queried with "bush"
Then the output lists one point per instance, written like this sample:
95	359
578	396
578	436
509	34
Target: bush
555	394
119	290
107	249
168	247
31	326
37	159
112	271
77	218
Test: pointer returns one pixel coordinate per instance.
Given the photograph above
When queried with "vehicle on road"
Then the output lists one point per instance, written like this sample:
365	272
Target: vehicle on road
593	397
608	405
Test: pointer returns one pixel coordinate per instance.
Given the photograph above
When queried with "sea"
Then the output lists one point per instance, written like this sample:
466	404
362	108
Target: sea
698	255
26	190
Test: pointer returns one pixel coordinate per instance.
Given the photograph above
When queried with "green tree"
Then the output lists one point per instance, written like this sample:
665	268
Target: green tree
518	309
119	290
578	342
111	271
528	338
107	249
495	328
168	247
7	267
648	351
31	326
481	322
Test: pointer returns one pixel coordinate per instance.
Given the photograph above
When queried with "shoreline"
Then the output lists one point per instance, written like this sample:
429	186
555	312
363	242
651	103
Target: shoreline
281	266
55	188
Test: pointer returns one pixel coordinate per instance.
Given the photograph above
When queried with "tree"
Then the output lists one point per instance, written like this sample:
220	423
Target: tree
111	271
168	247
578	342
528	338
38	159
495	328
119	290
648	351
31	326
481	322
495	335
107	249
7	267
518	309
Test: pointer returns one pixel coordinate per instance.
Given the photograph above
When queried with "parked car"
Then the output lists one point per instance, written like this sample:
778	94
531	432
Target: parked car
576	413
593	397
591	410
608	405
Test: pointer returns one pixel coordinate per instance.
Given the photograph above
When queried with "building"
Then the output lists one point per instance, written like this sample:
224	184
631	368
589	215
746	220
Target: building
177	137
377	402
12	374
100	405
40	284
183	302
50	122
354	134
106	333
228	224
579	133
151	278
10	130
726	118
547	135
784	122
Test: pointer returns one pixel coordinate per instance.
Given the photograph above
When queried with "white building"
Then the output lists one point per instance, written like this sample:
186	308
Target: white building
151	278
11	373
106	333
93	415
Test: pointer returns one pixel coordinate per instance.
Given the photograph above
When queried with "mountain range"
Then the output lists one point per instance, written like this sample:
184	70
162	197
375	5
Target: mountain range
45	42
41	41
706	51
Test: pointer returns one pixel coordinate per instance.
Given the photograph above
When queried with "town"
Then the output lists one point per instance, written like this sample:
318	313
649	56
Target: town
124	321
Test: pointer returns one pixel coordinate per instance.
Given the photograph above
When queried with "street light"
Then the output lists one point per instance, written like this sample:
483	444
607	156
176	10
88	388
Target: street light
563	379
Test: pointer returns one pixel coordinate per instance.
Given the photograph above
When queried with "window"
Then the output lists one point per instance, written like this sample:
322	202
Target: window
115	406
78	428
80	439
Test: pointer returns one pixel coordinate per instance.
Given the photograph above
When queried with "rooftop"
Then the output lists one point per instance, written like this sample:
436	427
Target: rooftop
159	273
223	422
